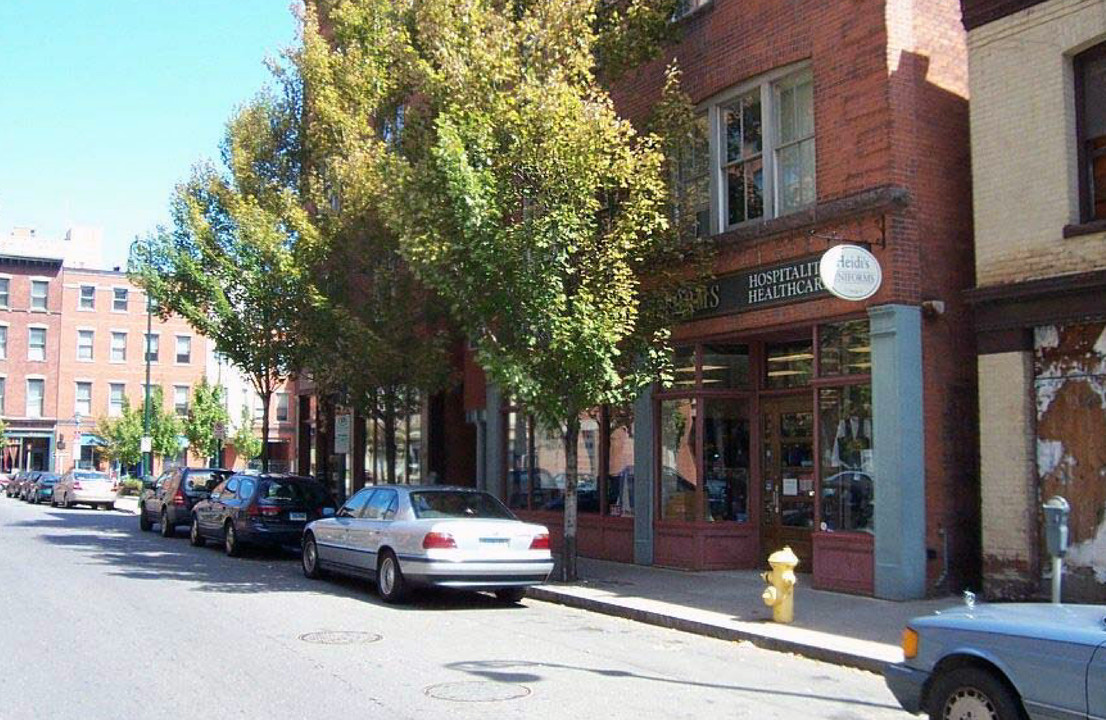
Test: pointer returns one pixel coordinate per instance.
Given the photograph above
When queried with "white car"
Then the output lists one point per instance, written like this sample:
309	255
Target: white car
409	535
85	487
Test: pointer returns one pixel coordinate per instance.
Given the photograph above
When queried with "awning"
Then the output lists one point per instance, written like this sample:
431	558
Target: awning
93	440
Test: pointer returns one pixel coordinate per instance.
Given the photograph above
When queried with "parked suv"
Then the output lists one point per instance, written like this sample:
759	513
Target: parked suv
168	501
267	510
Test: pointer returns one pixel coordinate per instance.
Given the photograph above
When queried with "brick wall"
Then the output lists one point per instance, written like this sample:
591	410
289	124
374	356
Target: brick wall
15	367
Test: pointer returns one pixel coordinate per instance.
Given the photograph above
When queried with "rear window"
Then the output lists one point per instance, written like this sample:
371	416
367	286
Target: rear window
90	476
302	492
203	479
445	504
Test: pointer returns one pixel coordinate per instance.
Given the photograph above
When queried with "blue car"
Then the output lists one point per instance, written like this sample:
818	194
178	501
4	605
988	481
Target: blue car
1004	662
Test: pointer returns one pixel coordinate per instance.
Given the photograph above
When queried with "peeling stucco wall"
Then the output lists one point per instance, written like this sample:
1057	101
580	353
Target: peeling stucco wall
1070	388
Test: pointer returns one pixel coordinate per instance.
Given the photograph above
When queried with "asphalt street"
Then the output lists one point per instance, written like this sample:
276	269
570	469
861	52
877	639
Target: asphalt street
100	620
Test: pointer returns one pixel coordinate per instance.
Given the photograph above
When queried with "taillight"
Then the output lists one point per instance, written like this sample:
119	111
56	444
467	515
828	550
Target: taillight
540	542
178	498
263	511
76	484
438	541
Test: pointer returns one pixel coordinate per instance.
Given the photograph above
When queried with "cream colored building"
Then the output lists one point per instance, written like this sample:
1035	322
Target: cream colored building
1038	130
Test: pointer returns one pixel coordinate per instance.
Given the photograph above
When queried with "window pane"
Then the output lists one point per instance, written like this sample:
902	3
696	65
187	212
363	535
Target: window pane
726	459
88	297
119	299
683	366
36	389
725	366
620	482
518	480
549	463
735	194
4	292
3	342
754	189
751	135
848	485
845	349
804	107
789	364
39	291
679	477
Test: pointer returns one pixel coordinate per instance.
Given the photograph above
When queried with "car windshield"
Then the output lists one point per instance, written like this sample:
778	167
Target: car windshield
445	504
90	475
47	479
302	492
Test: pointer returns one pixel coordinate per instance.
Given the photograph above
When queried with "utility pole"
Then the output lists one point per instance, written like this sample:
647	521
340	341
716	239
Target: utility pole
147	444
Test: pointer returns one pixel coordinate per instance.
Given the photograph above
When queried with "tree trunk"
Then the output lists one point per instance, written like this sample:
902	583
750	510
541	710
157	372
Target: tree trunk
265	398
390	437
568	561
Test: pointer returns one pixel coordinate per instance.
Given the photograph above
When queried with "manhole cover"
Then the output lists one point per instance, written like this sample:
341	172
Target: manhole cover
340	637
477	691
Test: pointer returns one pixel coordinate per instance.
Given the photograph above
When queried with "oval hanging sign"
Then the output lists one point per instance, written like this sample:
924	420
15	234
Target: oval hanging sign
850	272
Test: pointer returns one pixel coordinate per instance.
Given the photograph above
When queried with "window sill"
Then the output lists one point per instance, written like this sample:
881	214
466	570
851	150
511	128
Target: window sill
1089	228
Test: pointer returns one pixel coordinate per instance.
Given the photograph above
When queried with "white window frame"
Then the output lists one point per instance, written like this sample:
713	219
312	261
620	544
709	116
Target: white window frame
176	349
111	347
46	282
126	299
6	333
287	406
27	396
146	347
5	303
80	298
91	345
3	393
187	399
715	108
45	342
123	399
77	410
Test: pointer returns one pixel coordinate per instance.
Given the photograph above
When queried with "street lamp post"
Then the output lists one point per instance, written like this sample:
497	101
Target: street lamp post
147	454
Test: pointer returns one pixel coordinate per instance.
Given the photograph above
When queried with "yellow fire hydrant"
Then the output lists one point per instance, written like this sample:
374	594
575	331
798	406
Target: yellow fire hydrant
780	593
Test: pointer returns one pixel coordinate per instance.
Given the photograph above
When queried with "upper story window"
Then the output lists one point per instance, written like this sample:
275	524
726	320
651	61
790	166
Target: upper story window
40	290
1090	88
5	285
184	349
36	344
119	347
36	397
88	297
152	343
117	393
180	400
282	407
119	299
762	149
83	404
84	344
3	342
687	7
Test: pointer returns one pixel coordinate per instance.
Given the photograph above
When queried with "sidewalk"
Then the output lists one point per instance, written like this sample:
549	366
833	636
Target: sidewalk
127	504
843	629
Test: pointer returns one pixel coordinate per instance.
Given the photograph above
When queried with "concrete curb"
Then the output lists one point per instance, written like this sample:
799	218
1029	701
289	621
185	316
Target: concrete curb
721	632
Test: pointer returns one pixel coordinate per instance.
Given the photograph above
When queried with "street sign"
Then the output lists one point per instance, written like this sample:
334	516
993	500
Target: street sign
220	430
147	444
342	425
850	272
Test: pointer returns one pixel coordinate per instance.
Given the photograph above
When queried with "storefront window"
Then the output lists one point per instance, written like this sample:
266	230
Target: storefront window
847	458
620	478
679	477
725	366
518	479
549	468
845	349
683	364
726	459
789	364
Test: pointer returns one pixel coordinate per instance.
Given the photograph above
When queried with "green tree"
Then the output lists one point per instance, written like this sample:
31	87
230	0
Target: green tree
245	442
166	426
233	264
122	435
206	412
538	213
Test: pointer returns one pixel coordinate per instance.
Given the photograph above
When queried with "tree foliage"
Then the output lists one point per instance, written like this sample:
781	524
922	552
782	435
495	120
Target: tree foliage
122	436
205	413
245	442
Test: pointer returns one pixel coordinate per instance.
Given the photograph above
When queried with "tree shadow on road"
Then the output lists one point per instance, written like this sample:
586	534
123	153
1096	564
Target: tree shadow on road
511	671
115	540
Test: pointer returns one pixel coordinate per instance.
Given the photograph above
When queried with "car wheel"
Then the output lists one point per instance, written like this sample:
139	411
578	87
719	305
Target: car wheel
389	579
67	503
230	541
510	596
167	528
973	693
194	535
144	523
311	558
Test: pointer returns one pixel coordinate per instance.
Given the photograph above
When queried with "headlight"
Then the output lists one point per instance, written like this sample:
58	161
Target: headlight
910	643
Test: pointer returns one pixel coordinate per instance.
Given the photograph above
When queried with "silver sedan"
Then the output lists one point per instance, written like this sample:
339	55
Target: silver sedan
409	535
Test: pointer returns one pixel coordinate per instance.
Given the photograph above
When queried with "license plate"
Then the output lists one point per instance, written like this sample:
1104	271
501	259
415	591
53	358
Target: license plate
297	516
495	541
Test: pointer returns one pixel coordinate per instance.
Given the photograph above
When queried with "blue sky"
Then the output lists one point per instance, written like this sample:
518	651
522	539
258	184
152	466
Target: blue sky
106	104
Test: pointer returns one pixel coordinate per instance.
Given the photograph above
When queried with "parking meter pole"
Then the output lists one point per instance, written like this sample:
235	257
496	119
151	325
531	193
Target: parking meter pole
1056	511
1057	577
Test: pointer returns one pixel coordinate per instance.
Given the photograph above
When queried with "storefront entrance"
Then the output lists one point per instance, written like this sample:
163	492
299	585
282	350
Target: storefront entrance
788	476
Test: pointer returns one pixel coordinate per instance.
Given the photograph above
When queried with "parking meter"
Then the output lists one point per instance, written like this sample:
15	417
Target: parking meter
1056	525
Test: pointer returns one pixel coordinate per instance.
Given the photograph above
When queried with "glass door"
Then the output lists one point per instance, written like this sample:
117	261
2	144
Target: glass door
787	512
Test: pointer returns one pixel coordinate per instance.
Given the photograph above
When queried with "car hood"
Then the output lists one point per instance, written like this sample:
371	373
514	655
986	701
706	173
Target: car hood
1083	624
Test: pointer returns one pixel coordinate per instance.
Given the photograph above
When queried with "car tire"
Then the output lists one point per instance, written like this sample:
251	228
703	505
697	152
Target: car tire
67	503
168	529
390	582
144	523
231	546
972	692
195	537
310	558
510	596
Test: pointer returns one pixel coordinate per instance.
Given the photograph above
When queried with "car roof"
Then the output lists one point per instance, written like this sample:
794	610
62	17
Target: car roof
427	488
